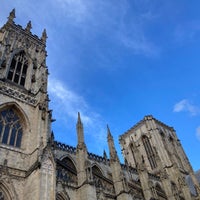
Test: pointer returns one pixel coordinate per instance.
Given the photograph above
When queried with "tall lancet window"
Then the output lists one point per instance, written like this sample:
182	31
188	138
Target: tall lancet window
18	68
149	151
10	128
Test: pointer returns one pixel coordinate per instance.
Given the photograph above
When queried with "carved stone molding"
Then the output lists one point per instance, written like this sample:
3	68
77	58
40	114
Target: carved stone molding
18	95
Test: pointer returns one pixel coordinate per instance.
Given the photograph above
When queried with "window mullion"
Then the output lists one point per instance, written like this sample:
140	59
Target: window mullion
2	132
15	68
16	136
9	134
20	75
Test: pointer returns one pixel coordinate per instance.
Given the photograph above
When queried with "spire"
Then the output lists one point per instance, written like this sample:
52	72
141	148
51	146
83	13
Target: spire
105	155
109	133
113	152
79	129
44	36
79	119
11	16
28	27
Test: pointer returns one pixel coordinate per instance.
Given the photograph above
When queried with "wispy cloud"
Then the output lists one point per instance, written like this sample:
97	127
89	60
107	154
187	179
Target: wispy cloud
198	132
187	106
67	103
113	20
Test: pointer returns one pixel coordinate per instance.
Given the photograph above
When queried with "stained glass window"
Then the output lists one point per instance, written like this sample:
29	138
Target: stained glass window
10	128
18	69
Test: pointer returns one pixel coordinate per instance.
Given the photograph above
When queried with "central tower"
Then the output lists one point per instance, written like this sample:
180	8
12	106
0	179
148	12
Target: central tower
161	153
24	115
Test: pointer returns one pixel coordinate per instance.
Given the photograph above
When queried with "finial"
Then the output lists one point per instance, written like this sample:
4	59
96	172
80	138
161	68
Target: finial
79	118
52	136
108	131
28	27
104	154
44	36
11	16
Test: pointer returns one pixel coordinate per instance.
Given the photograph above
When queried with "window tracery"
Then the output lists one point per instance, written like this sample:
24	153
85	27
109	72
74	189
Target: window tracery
101	182
10	128
149	152
66	171
18	69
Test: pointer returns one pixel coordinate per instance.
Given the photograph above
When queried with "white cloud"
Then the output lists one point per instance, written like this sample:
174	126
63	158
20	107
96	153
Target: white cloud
110	18
198	132
186	105
77	10
66	104
68	101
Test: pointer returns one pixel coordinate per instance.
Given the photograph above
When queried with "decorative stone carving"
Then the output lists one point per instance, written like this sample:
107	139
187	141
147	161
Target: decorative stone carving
17	95
163	174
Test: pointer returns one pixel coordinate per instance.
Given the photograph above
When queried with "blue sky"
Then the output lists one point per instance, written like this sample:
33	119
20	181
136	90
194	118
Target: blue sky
117	61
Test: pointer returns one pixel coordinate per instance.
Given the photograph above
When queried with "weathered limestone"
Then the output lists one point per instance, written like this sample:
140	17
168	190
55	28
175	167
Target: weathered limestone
86	190
119	181
34	166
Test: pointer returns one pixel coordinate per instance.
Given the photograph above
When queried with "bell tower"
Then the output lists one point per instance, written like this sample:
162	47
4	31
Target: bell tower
162	155
25	119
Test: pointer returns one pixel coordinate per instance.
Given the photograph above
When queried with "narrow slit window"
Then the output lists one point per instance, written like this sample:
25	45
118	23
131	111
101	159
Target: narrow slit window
149	152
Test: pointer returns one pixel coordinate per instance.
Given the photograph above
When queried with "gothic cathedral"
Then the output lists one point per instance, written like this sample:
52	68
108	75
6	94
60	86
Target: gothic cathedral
33	166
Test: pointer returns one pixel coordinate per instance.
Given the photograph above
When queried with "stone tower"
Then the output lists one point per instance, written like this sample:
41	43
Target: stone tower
26	162
162	155
34	166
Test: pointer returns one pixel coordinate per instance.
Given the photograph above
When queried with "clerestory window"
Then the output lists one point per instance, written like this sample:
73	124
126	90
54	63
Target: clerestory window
18	68
149	152
10	128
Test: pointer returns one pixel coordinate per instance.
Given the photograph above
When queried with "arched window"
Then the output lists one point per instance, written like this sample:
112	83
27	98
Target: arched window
66	171
67	162
2	196
18	68
96	171
10	128
149	151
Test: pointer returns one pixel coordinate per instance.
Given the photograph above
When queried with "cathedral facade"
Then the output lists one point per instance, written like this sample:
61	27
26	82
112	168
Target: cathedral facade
33	166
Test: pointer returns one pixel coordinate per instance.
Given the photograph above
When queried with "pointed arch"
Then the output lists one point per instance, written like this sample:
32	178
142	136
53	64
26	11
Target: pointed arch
5	193
13	124
18	67
97	170
19	111
66	171
68	162
98	176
